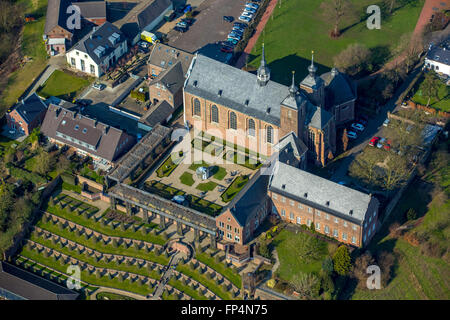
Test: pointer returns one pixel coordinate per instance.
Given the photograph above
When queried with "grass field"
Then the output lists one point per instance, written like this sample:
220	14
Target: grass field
187	179
442	104
207	186
62	84
33	47
234	188
296	29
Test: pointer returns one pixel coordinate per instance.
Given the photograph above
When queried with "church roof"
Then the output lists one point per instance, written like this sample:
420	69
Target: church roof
237	89
340	88
317	117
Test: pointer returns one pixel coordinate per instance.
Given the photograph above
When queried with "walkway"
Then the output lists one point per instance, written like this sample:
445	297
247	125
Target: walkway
430	8
117	291
251	43
166	276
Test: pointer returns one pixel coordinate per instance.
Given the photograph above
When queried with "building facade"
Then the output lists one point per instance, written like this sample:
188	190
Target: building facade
438	59
26	115
337	211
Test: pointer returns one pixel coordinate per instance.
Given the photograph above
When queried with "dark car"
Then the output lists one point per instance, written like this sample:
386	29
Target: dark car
228	18
189	21
84	102
240	24
226	49
180	29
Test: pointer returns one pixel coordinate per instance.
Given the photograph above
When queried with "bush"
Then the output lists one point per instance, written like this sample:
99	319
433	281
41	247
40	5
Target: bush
411	214
141	96
68	178
342	261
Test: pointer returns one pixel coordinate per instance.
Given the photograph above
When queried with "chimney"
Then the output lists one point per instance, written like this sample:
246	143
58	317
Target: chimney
105	129
283	186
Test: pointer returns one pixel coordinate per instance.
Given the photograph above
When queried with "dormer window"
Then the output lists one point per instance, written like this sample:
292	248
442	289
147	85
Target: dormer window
306	195
219	93
84	130
247	102
195	83
77	127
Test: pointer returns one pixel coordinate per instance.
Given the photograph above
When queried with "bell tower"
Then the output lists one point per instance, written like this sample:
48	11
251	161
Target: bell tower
263	74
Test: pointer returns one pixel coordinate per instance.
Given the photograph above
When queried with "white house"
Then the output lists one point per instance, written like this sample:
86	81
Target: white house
98	50
438	59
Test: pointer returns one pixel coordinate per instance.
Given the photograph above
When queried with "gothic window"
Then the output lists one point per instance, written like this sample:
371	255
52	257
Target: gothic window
251	127
197	110
311	140
214	114
269	134
233	121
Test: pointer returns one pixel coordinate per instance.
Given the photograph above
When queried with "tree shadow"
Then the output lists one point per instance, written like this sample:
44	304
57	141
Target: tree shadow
118	10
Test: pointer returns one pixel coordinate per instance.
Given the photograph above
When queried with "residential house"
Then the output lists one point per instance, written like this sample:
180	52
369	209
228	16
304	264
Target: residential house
438	58
160	113
27	114
88	137
58	36
98	50
163	57
337	211
19	284
92	12
168	86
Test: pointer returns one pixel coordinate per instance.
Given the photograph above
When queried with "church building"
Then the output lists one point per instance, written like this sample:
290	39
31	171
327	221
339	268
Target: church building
257	113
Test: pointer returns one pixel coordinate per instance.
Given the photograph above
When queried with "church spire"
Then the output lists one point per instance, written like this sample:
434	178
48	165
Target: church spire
293	89
263	74
312	68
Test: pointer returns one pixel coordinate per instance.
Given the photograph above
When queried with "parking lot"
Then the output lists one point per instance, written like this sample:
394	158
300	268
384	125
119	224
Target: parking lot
208	28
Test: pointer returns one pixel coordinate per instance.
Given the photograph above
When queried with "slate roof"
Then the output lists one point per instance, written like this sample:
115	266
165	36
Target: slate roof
157	114
290	145
104	138
165	56
92	9
99	36
340	89
243	206
172	79
151	12
30	108
317	117
239	89
56	15
31	287
319	191
439	54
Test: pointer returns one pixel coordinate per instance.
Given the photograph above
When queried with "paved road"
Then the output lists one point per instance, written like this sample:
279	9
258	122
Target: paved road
373	129
166	277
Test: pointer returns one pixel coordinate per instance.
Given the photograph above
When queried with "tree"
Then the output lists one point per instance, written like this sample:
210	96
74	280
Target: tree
354	59
327	265
386	261
390	5
62	165
342	261
344	140
359	270
411	214
306	284
364	166
396	172
43	164
430	86
410	45
334	12
264	249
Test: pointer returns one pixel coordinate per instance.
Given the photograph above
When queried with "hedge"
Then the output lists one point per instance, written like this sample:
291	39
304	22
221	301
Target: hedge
142	96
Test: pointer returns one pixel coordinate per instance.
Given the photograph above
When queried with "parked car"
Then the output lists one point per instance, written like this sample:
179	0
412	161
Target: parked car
98	86
247	14
228	44
189	21
386	122
352	134
373	142
381	143
240	24
342	183
245	19
252	5
182	24
143	44
251	10
180	29
234	36
187	8
357	126
233	41
226	49
228	18
364	122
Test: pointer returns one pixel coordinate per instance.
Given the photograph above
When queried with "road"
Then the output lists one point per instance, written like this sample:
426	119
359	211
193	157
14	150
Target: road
374	128
166	277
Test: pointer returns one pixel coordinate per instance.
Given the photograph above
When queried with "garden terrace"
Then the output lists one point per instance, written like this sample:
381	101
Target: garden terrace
163	207
137	156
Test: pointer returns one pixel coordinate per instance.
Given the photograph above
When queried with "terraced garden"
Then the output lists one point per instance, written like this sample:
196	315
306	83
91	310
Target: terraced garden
115	254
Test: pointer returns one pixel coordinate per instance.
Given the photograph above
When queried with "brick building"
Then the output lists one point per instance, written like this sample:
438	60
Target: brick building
26	115
300	197
163	57
255	112
168	86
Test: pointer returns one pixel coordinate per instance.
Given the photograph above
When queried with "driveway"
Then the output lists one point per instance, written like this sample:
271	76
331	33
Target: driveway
374	128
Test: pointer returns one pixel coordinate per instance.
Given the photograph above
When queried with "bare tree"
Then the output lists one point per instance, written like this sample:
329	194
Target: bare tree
396	172
353	59
335	11
360	268
410	46
390	5
344	140
430	86
365	166
306	284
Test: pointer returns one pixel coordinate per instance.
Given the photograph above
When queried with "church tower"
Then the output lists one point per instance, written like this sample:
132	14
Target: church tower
313	85
263	74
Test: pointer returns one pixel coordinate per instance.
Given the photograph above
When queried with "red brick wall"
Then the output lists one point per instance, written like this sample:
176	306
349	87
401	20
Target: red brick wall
13	120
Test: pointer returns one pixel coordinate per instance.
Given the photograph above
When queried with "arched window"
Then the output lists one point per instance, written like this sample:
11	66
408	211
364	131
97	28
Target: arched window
197	109
233	122
311	140
214	114
269	134
251	127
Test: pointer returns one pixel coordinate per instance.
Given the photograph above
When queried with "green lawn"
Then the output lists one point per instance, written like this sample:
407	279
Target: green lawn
196	165
169	165
219	173
62	84
207	186
91	174
187	179
442	104
221	268
33	47
112	296
288	246
297	28
234	188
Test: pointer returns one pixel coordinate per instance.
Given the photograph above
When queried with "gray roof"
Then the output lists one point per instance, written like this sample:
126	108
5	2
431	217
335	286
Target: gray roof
56	15
151	12
92	9
104	138
317	117
239	89
30	286
30	108
250	198
291	146
339	88
157	114
172	79
319	191
439	54
165	56
100	37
